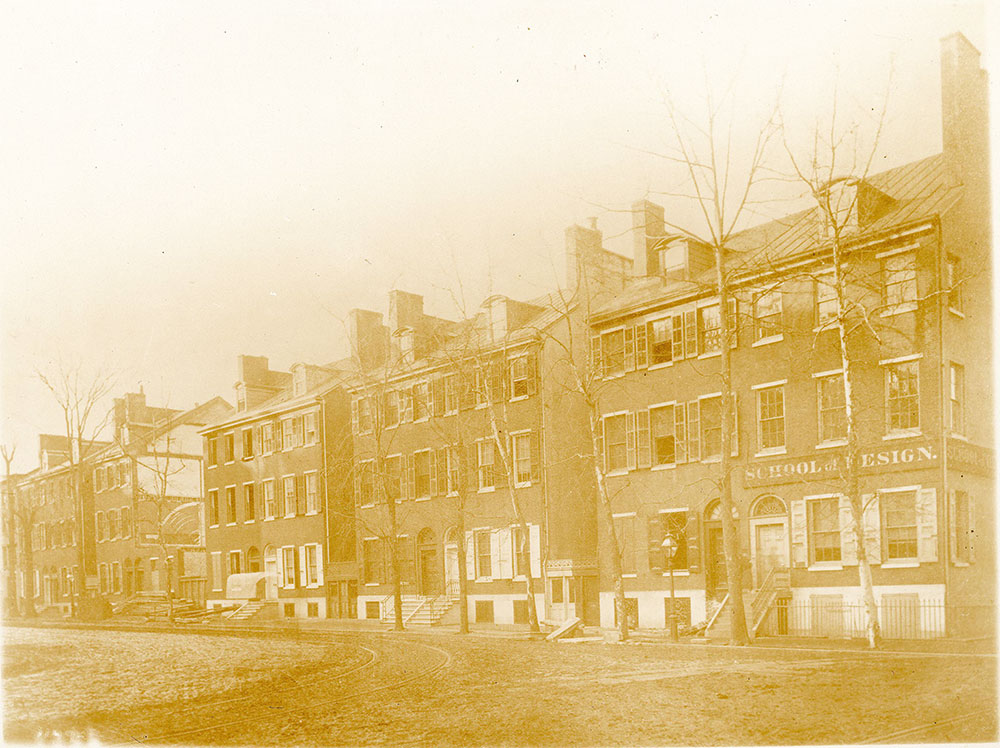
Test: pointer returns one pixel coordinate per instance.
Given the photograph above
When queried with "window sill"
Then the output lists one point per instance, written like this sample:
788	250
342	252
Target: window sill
422	498
247	458
671	466
519	398
484	579
827	566
209	467
616	473
678	573
772	452
900	564
710	354
957	313
901	435
832	443
960	437
526	484
909	306
213	527
489	489
230	524
313	513
631	575
249	521
372	584
268	519
366	506
768	340
961	564
664	365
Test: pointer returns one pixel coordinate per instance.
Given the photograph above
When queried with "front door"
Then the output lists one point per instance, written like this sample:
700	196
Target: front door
270	577
717	583
771	549
429	577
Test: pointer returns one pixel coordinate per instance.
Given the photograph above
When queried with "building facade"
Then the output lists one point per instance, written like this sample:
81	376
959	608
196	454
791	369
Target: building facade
919	259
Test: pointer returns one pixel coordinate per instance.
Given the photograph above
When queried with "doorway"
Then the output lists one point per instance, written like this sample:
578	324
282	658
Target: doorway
768	537
451	564
270	574
427	557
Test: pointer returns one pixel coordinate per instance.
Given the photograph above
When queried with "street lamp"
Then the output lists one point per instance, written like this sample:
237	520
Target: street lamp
669	546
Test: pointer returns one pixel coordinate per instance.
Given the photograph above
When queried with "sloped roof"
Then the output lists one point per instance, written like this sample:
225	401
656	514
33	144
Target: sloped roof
919	190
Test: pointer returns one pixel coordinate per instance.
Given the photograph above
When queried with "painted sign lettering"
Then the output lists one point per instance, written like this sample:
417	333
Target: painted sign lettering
830	466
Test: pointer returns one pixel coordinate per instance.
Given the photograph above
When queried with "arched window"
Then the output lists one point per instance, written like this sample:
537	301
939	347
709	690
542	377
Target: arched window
713	513
126	522
769	506
253	559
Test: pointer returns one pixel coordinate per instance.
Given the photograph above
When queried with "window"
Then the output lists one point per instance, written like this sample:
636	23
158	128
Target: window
213	457
827	307
235	567
391	409
126	515
269	508
711	428
672	257
615	443
231	504
249	505
267	437
312	610
451	394
613	353
659	527
312	493
99	473
309	428
366	483
289	494
902	396
288	566
422	475
832	408
899	523
102	571
394	477
771	418
229	444
522	379
286	434
767	315
660	336
522	551
953	279
661	426
213	507
956	398
484	567
824	529
487	473
490	382
122	474
454	469
374	566
364	406
710	328
116	577
311	570
899	280
625	534
521	444
421	406
112	526
406	405
963	527
247	444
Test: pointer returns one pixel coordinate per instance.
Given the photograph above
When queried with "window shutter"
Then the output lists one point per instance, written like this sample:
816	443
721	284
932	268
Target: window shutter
354	415
927	525
495	554
629	337
536	456
595	356
301	571
300	494
432	460
534	376
437	395
677	341
320	577
800	554
505	563
410	492
680	434
873	528
470	556
630	440
641	347
654	539
693	531
848	540
535	547
643	459
694	433
690	334
734	323
499	466
734	443
471	473
599	457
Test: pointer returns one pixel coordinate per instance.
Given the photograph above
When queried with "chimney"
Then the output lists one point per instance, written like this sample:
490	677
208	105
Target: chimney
964	113
647	229
368	338
252	370
583	245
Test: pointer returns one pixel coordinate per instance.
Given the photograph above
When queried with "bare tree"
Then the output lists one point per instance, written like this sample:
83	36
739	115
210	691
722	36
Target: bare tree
80	397
8	452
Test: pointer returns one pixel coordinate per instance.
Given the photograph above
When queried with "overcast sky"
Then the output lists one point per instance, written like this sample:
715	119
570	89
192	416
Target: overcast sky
185	182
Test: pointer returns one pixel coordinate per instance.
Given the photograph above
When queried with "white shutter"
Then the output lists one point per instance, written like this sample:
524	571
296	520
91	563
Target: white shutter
873	528
494	554
848	539
280	565
630	440
505	561
800	556
927	525
470	557
302	566
535	544
320	577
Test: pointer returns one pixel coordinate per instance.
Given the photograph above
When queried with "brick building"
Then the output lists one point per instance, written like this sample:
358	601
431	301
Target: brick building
279	526
922	239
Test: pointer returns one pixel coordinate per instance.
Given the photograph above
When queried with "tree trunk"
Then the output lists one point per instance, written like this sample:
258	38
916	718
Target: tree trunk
397	582
463	572
29	572
621	615
730	537
11	548
81	556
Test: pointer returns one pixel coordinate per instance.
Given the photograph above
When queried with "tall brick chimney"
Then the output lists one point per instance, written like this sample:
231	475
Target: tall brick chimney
368	337
965	114
647	229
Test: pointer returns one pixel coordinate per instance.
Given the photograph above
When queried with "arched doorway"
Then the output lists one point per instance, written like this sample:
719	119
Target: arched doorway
451	562
427	558
715	553
253	559
270	573
768	537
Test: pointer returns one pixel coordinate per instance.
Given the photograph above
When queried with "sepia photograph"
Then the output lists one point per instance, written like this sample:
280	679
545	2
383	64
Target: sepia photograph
507	374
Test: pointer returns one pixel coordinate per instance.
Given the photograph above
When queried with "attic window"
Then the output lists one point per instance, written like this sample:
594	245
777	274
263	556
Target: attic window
299	381
672	257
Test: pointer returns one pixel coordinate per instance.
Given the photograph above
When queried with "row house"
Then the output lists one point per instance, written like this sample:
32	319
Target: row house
279	530
919	260
432	402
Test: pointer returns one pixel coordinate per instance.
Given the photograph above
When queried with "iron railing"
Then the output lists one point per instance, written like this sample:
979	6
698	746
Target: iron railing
898	619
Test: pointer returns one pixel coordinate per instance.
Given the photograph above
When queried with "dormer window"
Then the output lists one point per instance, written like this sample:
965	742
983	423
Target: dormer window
672	257
298	381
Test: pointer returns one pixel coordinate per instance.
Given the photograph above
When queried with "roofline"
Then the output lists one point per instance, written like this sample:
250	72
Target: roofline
263	411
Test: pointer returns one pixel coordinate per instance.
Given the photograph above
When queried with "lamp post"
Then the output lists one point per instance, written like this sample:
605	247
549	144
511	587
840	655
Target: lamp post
669	546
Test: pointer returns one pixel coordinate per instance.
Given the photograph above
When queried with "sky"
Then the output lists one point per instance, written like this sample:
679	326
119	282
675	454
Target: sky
184	182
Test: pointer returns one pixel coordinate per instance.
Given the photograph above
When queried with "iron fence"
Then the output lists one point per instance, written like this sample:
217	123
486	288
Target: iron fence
903	618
